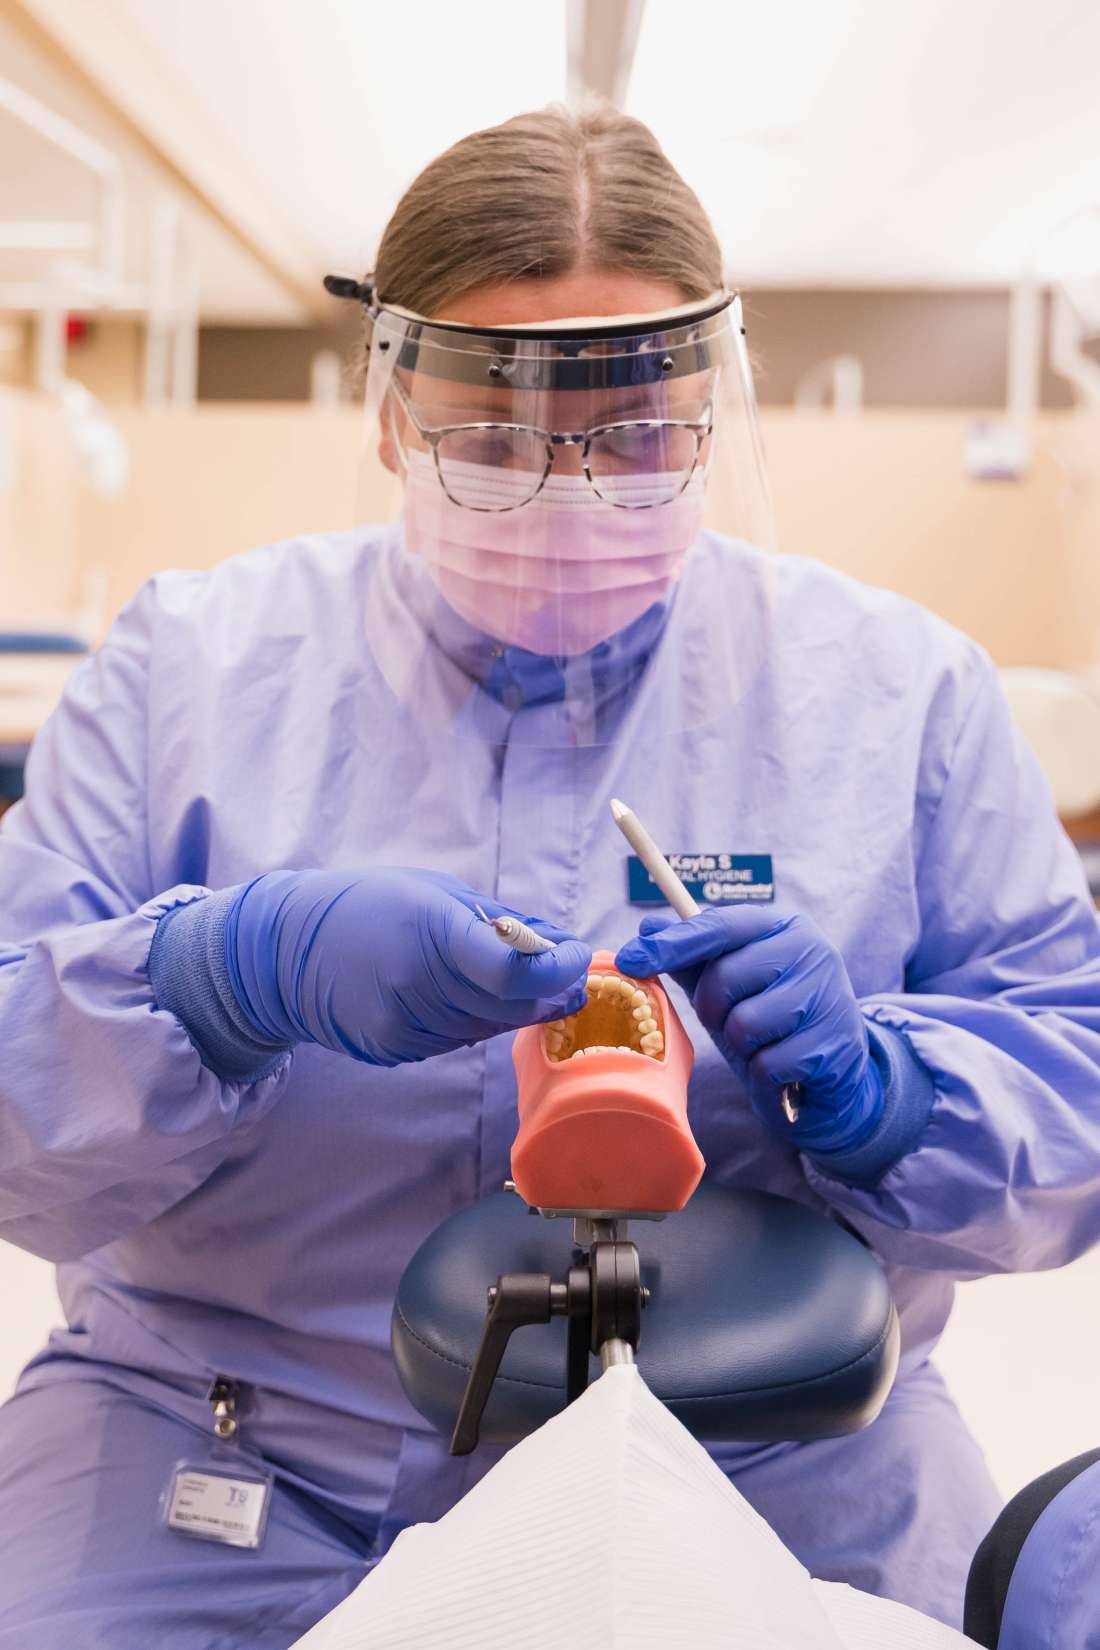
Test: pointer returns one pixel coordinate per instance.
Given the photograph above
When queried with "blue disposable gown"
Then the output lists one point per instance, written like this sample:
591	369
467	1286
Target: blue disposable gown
235	722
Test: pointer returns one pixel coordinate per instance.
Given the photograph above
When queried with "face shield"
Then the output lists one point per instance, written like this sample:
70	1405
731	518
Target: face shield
554	481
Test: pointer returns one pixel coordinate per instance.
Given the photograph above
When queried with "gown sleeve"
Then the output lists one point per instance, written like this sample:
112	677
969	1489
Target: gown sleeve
107	1115
1002	1010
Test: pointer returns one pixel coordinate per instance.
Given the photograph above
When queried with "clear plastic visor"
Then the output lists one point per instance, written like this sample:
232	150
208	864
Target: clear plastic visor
554	485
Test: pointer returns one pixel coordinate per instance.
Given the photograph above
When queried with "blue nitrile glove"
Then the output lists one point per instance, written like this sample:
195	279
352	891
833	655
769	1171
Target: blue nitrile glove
775	996
386	965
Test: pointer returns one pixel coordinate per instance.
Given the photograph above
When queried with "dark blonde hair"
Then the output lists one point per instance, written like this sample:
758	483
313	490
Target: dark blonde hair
539	196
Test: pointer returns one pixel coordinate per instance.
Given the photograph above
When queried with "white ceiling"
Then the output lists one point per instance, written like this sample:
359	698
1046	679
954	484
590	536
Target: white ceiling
876	142
337	104
838	142
37	183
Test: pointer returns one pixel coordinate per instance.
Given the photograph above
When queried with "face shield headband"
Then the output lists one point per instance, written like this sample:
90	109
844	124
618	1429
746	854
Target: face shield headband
595	354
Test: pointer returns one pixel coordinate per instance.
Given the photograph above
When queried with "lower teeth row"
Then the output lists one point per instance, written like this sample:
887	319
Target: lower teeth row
639	1006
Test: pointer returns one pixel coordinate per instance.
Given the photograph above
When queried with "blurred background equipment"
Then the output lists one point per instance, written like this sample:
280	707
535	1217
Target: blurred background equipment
908	197
1059	715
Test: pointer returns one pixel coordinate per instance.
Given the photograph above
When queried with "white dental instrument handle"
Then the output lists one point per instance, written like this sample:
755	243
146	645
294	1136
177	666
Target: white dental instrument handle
679	899
517	934
653	860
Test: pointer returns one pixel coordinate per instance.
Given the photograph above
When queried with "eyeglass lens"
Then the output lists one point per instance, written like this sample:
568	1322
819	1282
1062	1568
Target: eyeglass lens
633	466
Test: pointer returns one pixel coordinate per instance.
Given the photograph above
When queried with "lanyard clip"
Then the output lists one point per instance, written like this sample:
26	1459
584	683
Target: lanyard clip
222	1399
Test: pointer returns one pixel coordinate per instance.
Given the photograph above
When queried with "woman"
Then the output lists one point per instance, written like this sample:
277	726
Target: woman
253	1022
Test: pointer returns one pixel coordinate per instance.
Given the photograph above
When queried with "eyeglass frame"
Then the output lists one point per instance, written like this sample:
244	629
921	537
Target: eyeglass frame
433	435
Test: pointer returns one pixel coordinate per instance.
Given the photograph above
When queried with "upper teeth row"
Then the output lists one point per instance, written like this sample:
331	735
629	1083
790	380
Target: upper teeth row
615	983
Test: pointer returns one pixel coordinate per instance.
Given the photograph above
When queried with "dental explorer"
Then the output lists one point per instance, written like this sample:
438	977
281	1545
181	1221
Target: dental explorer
516	933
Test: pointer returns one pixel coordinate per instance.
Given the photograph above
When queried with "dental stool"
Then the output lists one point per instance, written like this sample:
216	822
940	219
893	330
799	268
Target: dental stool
765	1321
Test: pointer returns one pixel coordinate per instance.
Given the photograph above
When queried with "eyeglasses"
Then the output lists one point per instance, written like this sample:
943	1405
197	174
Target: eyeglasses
636	464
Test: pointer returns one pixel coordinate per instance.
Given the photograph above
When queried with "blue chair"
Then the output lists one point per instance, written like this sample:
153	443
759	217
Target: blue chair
31	642
766	1321
1035	1580
41	641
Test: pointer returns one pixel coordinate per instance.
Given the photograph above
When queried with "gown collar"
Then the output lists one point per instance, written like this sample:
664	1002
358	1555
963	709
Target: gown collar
513	677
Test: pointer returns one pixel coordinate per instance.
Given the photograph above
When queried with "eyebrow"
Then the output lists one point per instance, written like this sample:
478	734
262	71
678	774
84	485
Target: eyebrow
615	415
632	413
441	414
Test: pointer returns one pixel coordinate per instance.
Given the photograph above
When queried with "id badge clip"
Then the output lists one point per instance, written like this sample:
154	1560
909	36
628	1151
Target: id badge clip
225	1497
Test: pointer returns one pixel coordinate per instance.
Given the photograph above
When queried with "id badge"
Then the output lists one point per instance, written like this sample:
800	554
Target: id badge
218	1501
710	879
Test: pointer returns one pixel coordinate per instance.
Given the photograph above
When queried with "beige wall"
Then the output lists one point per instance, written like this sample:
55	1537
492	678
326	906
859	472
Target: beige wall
208	483
40	530
882	496
272	363
885	498
15	351
917	348
108	359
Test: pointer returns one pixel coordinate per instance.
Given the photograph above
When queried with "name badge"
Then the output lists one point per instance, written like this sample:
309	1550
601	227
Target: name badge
229	1506
711	879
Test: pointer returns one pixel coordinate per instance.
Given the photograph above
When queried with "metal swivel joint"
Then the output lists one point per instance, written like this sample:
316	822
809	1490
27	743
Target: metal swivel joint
602	1296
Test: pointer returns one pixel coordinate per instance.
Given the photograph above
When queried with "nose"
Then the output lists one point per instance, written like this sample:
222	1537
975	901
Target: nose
567	451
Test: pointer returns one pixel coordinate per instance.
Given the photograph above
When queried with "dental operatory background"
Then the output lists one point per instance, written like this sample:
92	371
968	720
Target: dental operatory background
908	198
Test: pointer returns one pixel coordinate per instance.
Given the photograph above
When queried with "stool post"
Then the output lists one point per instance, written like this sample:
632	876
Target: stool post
614	1352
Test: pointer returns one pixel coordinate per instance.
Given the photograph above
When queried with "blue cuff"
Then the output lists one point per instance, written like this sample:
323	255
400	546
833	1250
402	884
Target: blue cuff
189	977
908	1093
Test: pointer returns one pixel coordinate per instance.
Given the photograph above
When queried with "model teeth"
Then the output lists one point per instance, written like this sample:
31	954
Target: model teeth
618	1018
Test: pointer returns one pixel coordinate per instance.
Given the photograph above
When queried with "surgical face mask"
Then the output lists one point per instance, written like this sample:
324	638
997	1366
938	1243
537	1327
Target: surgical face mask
571	573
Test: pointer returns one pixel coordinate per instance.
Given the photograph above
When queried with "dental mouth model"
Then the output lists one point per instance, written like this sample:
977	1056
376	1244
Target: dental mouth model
603	1103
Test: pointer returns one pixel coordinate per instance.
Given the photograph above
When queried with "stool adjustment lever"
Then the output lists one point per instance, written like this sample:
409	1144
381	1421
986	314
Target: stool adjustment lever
602	1296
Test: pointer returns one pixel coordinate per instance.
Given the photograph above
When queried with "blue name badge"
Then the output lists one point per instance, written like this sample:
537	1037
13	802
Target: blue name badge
711	879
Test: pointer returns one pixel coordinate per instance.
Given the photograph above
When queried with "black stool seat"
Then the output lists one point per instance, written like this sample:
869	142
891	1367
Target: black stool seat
766	1322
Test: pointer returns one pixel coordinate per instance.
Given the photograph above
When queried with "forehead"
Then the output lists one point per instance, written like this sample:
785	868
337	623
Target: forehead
583	291
442	401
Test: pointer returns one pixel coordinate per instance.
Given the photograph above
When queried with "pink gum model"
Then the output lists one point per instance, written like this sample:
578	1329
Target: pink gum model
606	1131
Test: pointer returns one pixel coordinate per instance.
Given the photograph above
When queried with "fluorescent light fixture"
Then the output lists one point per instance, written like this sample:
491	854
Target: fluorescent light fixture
727	70
729	88
339	104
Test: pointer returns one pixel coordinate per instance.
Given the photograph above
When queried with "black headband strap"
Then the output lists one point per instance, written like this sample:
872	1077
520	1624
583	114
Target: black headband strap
347	286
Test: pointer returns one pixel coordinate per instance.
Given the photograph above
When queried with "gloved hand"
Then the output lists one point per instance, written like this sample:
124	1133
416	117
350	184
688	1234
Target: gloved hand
776	998
388	965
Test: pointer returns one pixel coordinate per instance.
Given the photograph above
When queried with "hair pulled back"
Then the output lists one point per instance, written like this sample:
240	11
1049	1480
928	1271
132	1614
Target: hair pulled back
540	196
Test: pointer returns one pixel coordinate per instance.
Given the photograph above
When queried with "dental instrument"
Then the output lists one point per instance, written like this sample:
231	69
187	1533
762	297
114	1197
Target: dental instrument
517	934
678	897
654	861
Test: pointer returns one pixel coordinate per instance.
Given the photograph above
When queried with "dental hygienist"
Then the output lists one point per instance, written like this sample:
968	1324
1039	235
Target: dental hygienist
253	1028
